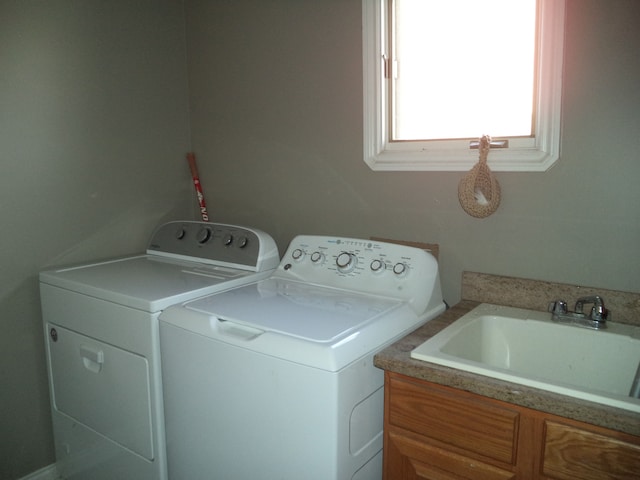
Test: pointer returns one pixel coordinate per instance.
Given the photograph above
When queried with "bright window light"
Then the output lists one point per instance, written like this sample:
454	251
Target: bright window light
439	74
463	68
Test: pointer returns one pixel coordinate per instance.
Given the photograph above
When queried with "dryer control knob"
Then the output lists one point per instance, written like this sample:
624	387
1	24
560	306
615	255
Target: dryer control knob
204	234
297	254
227	239
243	242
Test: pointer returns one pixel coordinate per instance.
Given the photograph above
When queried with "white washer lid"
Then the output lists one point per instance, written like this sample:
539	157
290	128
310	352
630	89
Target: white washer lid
309	312
148	282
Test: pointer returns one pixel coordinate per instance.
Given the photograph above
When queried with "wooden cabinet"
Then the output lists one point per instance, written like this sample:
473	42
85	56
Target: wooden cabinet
434	432
572	452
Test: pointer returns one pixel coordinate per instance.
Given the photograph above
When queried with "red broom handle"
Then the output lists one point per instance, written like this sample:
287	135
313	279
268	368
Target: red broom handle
191	158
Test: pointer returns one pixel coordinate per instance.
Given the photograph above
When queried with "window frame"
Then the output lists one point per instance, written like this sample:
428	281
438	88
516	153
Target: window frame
533	154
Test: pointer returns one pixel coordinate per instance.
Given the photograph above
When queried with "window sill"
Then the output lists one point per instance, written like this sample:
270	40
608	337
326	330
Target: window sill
518	160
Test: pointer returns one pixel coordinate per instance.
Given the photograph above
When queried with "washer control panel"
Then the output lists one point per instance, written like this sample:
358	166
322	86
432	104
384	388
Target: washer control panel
216	243
367	266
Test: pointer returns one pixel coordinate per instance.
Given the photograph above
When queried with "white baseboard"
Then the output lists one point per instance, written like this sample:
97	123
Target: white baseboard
46	473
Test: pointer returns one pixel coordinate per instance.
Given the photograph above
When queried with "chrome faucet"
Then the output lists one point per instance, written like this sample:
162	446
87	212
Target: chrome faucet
598	312
597	318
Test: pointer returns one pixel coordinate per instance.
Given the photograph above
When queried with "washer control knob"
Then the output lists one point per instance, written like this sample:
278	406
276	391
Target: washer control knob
227	239
377	266
204	234
243	242
297	254
346	261
317	257
180	233
400	268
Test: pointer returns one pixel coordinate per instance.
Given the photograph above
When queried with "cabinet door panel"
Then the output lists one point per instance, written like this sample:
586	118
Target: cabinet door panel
408	458
467	423
571	453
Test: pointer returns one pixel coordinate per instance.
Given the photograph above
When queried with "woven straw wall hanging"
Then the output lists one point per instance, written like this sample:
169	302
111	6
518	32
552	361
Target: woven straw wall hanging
479	190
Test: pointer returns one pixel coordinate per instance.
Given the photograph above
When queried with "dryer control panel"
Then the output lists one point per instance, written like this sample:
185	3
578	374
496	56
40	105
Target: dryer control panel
216	243
366	266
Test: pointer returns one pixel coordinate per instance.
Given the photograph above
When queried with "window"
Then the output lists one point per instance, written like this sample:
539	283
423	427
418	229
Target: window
395	140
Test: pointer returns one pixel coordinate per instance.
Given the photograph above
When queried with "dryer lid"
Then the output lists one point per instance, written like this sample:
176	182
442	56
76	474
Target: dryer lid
147	282
309	312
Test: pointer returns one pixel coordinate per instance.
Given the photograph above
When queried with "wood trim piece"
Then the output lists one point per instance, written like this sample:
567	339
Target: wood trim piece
432	248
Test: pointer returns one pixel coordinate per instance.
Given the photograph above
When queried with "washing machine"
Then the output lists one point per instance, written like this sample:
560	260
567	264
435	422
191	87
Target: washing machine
275	380
102	342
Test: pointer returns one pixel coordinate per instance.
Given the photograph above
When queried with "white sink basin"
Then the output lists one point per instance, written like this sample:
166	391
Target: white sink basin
528	348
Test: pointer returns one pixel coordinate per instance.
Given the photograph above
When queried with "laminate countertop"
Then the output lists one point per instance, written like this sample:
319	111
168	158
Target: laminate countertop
396	358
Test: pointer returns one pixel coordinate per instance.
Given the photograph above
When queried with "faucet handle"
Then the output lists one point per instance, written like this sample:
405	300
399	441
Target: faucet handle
558	307
597	301
599	313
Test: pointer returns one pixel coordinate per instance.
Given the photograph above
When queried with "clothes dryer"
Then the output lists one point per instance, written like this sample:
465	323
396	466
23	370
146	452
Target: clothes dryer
276	379
102	343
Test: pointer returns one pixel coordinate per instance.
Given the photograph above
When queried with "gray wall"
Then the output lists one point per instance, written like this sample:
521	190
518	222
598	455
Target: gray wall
94	128
276	102
93	134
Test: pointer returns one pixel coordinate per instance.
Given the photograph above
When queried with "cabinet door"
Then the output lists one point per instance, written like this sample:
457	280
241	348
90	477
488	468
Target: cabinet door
408	458
571	453
456	419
